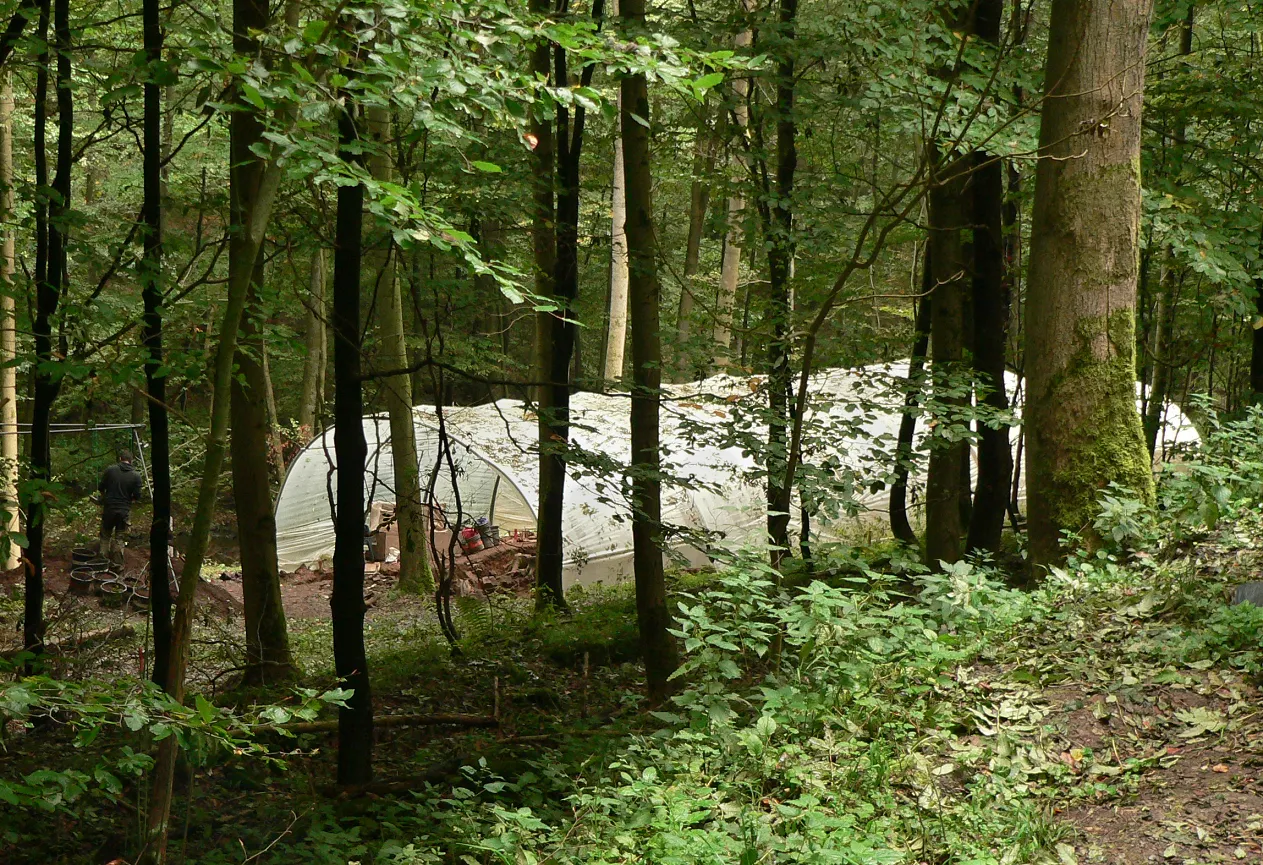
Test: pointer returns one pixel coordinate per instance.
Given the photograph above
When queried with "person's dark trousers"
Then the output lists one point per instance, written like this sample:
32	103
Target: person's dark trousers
113	527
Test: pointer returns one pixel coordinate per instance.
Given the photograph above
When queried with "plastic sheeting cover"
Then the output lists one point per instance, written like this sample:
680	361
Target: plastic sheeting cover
709	435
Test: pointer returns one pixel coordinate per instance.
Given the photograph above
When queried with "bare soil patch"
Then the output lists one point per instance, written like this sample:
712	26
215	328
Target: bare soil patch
1202	803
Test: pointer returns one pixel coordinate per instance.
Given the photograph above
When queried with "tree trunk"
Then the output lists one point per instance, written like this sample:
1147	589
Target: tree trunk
991	328
554	409
9	558
392	353
49	287
780	257
730	268
1083	430
1256	342
543	227
155	376
314	341
208	489
489	236
699	203
616	341
268	656
990	320
900	526
1163	341
355	721
1168	291
276	443
653	616
1011	245
944	528
267	640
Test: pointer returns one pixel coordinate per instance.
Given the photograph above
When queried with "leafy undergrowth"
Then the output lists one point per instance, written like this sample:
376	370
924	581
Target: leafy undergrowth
864	717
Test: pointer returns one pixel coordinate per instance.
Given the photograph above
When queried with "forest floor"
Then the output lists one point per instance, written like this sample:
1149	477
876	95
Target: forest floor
1163	741
1111	717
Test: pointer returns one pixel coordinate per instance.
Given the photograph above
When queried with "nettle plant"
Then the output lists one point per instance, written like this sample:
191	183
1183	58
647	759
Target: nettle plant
1220	479
798	654
114	722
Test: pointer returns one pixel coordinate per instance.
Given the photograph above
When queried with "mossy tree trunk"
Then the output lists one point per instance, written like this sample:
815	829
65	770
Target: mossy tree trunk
252	234
392	354
652	613
267	639
1082	428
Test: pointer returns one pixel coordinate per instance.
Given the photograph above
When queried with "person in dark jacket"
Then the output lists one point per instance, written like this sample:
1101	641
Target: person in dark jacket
119	488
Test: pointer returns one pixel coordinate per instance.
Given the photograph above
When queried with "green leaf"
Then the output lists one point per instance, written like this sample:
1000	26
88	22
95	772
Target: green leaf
489	167
314	31
7	794
275	715
205	709
706	82
251	95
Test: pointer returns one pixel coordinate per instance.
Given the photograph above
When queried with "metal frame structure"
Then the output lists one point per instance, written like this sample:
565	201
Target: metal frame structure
24	429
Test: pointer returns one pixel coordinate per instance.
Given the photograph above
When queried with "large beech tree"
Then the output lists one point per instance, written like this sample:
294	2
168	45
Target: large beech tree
1082	428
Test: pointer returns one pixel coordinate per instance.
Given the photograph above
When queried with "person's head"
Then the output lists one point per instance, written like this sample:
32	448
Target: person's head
125	456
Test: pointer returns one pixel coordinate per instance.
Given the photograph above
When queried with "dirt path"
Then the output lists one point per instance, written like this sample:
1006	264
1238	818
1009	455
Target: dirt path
1138	710
1200	801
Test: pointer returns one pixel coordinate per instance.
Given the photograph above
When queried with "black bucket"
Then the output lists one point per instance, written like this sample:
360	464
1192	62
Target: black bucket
83	555
114	594
81	581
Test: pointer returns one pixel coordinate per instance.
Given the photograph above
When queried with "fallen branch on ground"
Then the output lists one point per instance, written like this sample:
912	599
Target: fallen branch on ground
331	725
62	647
440	771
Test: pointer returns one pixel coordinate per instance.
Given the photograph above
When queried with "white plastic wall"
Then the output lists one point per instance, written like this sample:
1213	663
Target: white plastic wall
856	415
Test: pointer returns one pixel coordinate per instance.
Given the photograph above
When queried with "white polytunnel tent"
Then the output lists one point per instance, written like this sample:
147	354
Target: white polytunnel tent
855	415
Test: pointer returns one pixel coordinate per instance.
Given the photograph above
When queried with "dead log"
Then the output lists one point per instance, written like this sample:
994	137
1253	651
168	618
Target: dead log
442	771
63	647
435	720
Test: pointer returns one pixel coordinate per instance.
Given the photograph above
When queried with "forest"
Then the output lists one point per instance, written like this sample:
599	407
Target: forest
612	431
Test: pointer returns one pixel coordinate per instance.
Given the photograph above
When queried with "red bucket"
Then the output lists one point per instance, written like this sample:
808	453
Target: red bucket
470	540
